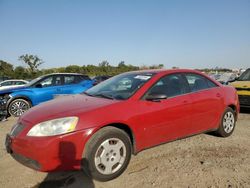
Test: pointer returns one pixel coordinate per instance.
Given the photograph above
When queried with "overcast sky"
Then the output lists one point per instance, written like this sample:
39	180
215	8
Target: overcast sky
183	33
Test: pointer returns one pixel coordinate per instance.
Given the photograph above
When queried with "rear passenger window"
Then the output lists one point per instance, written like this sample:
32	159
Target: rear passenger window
197	82
70	79
57	81
18	83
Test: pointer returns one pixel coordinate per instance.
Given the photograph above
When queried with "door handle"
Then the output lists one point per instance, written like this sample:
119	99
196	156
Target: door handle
218	95
185	102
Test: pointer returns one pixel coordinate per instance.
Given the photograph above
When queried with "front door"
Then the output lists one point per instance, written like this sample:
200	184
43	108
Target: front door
46	89
167	119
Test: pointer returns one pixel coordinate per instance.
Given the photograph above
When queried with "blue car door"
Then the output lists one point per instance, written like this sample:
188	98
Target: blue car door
47	88
74	84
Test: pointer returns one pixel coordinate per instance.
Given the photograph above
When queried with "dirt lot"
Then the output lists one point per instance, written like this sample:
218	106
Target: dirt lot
199	161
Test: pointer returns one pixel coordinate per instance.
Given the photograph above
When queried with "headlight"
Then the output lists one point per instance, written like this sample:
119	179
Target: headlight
54	127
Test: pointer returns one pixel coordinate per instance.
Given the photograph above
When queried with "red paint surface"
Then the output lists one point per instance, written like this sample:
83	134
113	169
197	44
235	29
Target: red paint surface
151	123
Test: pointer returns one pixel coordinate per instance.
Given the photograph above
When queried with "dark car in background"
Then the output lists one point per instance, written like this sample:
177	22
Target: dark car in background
99	79
42	89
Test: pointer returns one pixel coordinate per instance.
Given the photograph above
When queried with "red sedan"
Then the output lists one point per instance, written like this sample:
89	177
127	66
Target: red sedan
99	130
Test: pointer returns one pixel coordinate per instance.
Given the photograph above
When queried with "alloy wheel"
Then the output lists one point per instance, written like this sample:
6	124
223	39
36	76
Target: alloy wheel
18	107
228	122
110	156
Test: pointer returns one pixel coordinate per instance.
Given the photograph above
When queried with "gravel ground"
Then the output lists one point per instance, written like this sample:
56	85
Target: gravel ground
198	161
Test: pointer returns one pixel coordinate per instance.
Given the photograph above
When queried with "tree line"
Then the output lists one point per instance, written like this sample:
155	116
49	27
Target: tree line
32	63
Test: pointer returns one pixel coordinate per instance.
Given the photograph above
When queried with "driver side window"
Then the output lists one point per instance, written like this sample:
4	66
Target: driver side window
46	82
49	81
170	85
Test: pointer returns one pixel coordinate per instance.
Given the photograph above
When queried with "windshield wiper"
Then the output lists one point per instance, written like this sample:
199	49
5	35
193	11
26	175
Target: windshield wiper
88	94
99	95
103	96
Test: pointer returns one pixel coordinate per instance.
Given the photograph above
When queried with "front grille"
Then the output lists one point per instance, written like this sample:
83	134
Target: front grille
2	104
244	100
17	129
242	89
26	161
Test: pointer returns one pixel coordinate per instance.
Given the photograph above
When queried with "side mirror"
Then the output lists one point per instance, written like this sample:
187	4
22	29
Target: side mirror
156	97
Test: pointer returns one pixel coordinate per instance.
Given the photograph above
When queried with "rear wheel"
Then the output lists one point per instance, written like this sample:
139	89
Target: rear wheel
107	154
18	106
227	124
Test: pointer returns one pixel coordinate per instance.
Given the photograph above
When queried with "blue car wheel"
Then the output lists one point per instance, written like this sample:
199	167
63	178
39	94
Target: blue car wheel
18	106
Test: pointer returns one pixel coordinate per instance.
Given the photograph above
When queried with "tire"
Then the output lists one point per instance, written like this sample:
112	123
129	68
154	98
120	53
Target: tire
18	106
107	154
227	123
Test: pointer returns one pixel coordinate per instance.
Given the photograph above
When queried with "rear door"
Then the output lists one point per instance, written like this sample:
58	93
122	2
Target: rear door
74	84
207	102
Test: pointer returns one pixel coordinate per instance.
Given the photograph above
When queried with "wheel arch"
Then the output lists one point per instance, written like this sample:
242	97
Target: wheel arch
124	127
234	108
19	97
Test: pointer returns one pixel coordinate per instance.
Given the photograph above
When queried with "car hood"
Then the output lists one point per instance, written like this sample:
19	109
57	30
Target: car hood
12	89
73	105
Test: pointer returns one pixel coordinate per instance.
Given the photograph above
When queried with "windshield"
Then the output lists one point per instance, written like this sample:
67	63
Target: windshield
120	87
32	82
245	76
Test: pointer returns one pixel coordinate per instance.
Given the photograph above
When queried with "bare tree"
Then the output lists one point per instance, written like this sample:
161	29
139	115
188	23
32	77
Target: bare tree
32	61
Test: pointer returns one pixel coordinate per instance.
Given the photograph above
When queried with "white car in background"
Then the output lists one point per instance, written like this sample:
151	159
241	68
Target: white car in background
12	84
227	77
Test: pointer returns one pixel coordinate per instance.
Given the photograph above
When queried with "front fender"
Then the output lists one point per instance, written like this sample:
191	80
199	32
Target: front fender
16	96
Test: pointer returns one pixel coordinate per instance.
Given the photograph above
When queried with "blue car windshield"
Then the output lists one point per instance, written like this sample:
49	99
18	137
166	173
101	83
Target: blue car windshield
120	87
32	82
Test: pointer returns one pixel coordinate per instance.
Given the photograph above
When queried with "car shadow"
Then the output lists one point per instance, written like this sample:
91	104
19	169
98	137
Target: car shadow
68	179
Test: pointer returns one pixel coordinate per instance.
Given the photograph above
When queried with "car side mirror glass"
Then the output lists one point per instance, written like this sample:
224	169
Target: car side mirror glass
156	97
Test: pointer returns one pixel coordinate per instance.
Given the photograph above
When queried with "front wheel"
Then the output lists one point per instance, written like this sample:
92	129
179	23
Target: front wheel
107	154
18	106
227	123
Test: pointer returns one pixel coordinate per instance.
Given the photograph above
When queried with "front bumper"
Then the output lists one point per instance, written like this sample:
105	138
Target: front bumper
46	154
3	108
244	101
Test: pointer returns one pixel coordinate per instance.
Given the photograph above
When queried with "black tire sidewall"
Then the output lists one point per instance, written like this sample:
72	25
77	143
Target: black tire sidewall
91	151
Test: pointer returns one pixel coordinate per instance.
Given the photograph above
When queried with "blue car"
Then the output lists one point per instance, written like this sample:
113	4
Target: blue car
43	89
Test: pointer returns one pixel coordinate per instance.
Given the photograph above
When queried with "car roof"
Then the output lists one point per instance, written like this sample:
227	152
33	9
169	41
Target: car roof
66	73
13	80
156	71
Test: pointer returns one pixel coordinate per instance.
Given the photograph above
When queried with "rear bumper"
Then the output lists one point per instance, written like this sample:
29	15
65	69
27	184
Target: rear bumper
57	153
